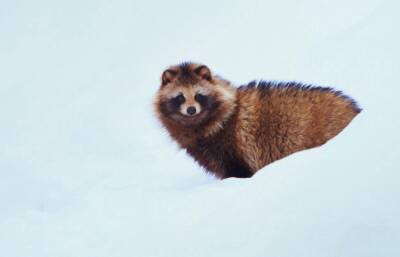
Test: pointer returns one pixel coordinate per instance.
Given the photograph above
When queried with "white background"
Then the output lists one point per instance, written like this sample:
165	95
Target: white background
86	169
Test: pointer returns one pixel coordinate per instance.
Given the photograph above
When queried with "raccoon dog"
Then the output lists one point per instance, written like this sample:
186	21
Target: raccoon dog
234	132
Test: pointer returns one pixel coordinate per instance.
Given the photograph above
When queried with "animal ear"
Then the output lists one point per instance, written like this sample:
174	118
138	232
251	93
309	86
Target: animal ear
204	72
168	76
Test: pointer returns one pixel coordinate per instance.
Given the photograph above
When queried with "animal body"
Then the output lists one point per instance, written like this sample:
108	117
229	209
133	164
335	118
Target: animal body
234	132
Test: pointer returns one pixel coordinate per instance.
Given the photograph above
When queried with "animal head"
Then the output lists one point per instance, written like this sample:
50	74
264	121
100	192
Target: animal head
190	96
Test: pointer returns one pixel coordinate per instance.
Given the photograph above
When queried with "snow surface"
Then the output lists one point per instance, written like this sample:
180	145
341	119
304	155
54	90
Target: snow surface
86	170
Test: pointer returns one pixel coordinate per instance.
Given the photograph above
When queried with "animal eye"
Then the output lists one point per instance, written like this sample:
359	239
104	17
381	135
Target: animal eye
200	98
178	100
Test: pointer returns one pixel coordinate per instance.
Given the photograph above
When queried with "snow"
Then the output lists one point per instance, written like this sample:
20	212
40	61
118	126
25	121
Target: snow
86	169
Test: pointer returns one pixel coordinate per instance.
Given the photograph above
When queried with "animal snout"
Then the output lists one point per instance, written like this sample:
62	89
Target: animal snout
191	110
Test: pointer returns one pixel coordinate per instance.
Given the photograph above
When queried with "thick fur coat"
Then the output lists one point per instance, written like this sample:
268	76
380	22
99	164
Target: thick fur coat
234	132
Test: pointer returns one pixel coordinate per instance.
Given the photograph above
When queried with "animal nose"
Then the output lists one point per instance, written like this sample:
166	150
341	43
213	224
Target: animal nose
191	110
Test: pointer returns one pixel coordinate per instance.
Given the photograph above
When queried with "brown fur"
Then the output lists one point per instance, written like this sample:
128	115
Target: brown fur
240	130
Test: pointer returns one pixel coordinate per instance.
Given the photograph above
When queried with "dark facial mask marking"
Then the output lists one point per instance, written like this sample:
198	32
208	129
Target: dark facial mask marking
201	99
178	100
